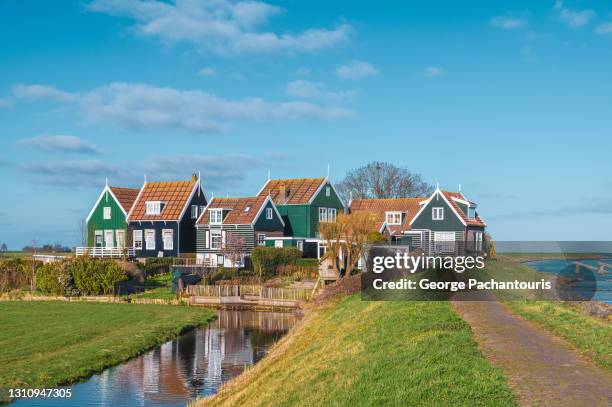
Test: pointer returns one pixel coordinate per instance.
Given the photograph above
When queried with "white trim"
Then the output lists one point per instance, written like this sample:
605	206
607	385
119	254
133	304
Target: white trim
186	205
393	213
437	213
264	187
325	182
263	205
164	240
437	191
106	189
203	212
127	217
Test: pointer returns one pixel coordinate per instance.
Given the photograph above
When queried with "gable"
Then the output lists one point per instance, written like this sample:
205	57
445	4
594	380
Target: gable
424	219
331	201
96	216
262	223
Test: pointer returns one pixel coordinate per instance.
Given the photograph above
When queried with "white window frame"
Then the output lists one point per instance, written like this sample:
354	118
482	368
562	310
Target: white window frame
322	214
109	243
120	238
153	207
106	212
478	238
471	212
269	214
331	214
147	241
99	234
216	216
165	240
444	242
393	218
137	239
328	191
216	237
261	239
300	245
437	213
194	211
278	244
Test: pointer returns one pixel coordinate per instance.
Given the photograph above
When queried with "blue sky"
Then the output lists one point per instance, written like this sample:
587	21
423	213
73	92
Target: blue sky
510	99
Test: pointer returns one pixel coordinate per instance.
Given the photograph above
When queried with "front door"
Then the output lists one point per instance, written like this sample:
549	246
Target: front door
120	237
108	239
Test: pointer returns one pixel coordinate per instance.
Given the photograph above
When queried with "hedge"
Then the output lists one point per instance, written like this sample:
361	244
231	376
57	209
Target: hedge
17	273
270	261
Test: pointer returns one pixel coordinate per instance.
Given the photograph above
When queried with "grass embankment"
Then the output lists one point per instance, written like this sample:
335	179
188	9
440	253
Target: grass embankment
590	334
158	287
50	343
356	353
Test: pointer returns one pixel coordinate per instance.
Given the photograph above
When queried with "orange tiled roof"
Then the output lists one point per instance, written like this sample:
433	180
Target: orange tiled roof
237	214
173	194
125	196
408	206
477	221
297	190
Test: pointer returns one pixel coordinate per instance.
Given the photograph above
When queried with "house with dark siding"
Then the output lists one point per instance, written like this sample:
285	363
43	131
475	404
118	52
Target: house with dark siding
443	223
229	228
303	203
107	227
162	220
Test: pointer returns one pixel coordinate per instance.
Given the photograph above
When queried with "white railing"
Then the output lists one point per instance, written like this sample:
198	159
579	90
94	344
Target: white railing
105	251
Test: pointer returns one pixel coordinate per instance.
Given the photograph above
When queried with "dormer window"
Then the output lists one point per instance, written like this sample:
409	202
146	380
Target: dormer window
153	207
216	216
472	212
247	208
393	218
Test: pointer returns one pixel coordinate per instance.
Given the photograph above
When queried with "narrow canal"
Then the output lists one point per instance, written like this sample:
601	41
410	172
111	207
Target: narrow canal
191	366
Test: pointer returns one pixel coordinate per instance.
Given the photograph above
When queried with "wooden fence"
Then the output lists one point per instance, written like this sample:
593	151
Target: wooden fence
268	293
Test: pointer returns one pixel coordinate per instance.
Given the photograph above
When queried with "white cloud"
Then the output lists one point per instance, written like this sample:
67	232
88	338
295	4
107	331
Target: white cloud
573	19
434	71
219	25
356	70
207	71
61	143
509	22
142	106
43	92
71	173
315	90
604	28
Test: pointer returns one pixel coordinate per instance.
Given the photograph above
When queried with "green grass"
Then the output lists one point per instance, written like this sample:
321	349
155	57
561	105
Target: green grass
365	353
590	334
50	343
158	287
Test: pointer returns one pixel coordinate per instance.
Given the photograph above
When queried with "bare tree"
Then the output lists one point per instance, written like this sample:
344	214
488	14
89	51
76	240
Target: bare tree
81	231
383	180
234	248
346	239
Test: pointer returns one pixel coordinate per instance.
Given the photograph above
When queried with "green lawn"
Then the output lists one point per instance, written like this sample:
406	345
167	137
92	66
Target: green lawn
591	335
158	286
52	343
365	353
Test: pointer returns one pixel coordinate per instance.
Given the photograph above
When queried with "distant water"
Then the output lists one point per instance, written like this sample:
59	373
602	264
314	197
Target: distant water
603	282
191	366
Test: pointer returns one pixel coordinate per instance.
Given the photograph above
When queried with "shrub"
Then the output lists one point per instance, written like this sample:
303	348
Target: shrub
54	278
17	273
270	261
158	265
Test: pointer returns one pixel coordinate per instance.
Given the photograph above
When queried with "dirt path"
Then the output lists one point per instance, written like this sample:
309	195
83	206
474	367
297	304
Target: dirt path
542	370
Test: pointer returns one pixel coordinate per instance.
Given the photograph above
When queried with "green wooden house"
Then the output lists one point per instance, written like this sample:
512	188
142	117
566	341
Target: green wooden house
303	203
106	222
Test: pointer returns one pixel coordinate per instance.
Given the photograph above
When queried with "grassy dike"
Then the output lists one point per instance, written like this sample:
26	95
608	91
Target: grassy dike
591	335
45	344
358	353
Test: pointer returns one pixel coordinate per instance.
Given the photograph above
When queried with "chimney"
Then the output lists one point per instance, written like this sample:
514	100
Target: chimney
194	177
283	194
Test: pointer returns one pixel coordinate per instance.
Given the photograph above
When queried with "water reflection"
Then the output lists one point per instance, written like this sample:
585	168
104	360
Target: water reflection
192	365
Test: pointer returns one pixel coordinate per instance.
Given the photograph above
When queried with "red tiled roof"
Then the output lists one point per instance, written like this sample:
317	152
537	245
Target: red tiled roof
238	213
477	221
296	190
125	196
408	206
173	194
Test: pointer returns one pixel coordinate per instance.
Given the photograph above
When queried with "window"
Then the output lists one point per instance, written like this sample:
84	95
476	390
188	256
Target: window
168	238
98	234
202	208
107	212
471	212
109	239
215	239
268	213
120	238
327	191
444	242
194	211
331	214
138	239
478	241
153	207
437	213
278	243
322	214
149	235
261	239
216	216
300	245
393	218
247	208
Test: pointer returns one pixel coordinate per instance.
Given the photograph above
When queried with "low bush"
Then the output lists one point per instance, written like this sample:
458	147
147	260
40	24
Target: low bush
274	261
158	265
17	273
